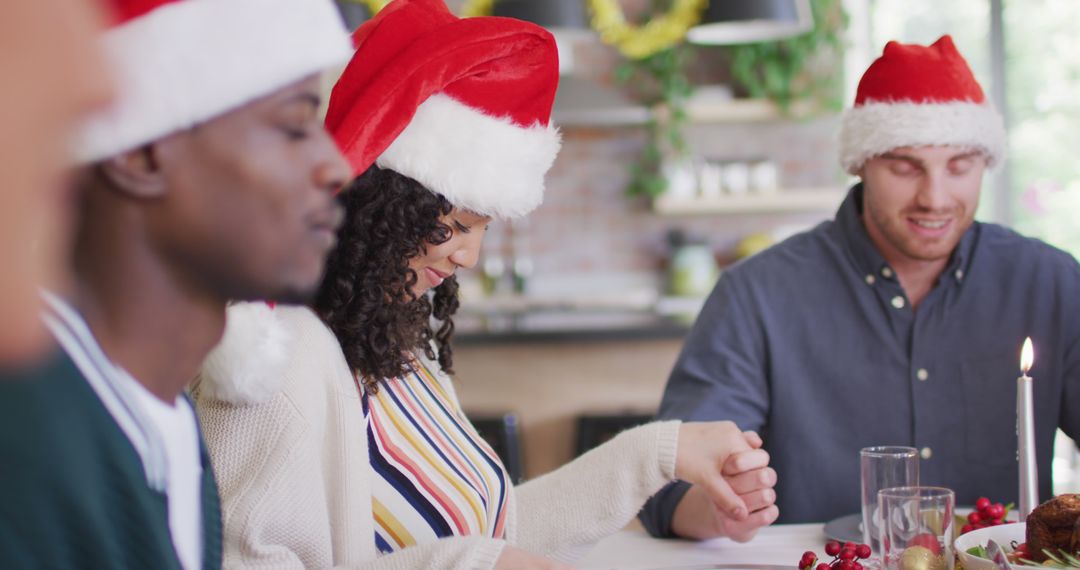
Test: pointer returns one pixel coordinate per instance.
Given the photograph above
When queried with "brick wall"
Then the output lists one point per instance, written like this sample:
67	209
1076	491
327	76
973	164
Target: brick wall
589	233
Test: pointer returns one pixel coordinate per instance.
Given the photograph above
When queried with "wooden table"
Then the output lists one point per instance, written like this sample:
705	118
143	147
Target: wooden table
635	550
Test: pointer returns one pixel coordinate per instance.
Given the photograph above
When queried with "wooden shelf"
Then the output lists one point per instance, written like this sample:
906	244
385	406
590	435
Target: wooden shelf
582	103
733	111
743	110
781	201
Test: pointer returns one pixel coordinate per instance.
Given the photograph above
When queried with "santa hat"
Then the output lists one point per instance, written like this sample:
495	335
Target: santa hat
460	105
182	62
917	95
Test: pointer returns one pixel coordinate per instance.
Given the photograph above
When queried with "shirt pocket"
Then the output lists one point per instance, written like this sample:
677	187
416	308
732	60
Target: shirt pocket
989	385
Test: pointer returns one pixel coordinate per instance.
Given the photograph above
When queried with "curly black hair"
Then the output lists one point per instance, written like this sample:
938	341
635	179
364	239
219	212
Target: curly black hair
366	297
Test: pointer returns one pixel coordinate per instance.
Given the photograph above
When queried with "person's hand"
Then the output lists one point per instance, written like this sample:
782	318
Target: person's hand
704	449
514	558
748	475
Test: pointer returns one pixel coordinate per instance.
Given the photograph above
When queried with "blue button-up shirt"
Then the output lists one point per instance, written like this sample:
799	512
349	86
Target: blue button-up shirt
814	344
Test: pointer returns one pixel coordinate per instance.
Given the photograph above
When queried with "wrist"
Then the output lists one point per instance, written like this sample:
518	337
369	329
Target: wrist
696	517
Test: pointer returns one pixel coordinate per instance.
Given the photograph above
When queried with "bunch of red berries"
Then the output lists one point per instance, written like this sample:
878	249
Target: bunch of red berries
845	557
985	514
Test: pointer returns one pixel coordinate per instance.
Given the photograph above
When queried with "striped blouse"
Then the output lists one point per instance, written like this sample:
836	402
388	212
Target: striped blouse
434	475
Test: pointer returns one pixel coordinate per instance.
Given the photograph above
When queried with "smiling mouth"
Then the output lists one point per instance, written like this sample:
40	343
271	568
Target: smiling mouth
436	277
930	224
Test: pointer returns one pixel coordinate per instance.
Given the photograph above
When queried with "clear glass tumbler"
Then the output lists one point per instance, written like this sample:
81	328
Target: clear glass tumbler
917	528
883	468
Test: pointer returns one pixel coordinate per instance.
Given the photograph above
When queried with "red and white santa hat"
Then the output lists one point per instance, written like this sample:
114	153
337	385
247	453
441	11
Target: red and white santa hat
916	95
462	106
182	62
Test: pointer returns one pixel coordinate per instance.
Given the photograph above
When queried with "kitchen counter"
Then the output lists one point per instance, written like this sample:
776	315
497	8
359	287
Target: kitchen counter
524	330
518	319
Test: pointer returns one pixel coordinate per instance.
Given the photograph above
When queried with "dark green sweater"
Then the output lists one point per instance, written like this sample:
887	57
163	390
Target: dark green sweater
73	493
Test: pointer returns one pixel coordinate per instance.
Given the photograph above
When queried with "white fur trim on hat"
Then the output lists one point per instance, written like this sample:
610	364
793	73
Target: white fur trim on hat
189	61
246	366
485	164
875	128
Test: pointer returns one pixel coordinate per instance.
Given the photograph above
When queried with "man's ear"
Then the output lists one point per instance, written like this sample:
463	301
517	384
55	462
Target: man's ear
135	173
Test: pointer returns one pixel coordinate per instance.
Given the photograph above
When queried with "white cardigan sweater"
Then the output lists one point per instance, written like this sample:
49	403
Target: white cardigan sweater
289	448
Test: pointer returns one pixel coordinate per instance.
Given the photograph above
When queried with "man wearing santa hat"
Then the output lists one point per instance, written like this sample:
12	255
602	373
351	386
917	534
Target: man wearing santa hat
897	323
210	179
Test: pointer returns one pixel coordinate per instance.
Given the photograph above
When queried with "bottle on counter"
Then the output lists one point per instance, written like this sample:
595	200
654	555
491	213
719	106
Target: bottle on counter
693	270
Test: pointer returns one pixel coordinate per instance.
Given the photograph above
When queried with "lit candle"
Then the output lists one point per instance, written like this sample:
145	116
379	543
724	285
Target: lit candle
1025	433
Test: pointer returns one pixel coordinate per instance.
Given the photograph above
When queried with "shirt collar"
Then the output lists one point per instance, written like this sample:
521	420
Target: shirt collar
870	261
112	384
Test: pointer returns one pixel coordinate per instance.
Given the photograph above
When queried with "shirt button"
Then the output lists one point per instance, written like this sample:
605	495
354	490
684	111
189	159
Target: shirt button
922	375
926	453
870	280
898	302
959	274
886	273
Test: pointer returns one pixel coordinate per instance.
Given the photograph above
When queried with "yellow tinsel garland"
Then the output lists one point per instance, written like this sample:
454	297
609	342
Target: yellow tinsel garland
470	9
473	8
639	42
608	19
374	6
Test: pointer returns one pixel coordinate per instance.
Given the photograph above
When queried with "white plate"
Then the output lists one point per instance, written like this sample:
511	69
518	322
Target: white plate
1004	535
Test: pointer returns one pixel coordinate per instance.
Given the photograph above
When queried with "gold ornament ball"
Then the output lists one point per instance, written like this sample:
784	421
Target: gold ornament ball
921	558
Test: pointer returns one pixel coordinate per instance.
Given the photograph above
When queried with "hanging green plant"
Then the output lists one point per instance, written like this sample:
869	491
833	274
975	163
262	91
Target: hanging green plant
665	140
805	69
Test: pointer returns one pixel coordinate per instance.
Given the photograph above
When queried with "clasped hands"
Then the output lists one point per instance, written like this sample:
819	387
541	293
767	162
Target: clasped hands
732	484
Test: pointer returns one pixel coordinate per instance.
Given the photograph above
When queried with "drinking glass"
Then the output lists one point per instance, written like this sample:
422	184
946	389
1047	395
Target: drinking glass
917	528
882	468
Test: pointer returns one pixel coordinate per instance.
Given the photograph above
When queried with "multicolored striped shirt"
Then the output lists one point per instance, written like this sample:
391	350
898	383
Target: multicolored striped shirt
434	475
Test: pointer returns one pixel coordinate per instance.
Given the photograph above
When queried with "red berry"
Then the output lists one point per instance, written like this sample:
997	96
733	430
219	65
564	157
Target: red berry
982	503
966	529
847	554
832	548
847	565
862	551
857	566
975	518
849	544
824	566
926	540
995	511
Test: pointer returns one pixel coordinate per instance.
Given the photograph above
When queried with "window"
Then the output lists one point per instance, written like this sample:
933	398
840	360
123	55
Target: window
1042	82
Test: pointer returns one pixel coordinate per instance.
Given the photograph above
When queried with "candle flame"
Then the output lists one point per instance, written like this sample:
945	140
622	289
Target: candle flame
1027	356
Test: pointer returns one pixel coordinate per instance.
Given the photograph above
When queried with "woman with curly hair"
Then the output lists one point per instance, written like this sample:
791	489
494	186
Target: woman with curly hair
372	296
334	429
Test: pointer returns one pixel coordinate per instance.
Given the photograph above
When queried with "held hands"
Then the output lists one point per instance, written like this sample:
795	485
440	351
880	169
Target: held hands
732	493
